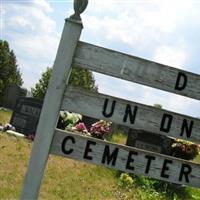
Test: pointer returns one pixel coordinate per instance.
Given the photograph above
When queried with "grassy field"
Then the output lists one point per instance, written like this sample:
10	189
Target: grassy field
69	179
4	116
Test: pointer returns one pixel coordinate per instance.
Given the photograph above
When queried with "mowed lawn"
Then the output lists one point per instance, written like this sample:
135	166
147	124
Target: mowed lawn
69	179
5	116
64	178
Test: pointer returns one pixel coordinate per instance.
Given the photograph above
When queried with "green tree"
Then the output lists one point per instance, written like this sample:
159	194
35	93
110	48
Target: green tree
78	77
14	72
9	72
41	87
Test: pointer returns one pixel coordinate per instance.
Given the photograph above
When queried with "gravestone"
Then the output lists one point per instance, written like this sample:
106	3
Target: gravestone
149	141
26	115
88	121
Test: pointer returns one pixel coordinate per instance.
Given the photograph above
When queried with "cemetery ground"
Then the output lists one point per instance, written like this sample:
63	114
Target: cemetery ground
69	179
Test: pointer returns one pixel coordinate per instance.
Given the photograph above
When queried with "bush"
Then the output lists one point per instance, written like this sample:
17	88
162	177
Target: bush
125	181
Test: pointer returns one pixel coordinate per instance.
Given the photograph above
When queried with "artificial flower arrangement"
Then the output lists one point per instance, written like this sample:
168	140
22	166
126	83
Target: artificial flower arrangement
81	128
100	129
70	121
185	149
67	120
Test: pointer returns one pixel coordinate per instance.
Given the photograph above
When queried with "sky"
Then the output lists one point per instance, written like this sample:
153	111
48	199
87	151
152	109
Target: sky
165	31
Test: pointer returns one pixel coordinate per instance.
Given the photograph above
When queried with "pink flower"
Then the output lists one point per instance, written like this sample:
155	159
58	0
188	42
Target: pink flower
100	128
81	127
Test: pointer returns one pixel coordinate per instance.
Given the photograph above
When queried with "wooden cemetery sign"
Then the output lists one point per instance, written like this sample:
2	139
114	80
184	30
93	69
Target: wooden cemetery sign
50	140
132	114
125	158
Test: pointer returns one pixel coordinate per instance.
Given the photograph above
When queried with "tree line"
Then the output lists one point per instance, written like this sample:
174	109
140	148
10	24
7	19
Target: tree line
10	75
79	78
9	71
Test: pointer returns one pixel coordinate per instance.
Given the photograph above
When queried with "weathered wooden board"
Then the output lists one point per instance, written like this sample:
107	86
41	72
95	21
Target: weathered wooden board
137	70
128	159
134	115
51	108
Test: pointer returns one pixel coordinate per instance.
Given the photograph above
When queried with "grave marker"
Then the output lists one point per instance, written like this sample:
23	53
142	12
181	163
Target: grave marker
149	141
26	115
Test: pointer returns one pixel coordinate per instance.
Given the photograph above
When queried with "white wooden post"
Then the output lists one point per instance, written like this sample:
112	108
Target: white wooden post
51	107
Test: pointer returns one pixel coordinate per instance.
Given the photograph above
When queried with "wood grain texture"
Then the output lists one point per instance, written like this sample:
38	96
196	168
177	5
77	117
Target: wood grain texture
135	69
92	150
147	118
51	109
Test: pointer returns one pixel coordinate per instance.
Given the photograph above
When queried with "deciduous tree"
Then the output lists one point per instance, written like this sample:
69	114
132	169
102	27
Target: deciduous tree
9	71
79	77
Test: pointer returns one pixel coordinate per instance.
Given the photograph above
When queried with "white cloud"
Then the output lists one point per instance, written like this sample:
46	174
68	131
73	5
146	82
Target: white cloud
153	28
20	21
140	25
2	11
38	47
21	15
123	29
42	21
172	56
149	27
32	35
133	22
43	5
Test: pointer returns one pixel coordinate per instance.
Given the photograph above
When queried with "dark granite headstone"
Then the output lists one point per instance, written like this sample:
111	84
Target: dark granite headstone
149	141
26	115
88	121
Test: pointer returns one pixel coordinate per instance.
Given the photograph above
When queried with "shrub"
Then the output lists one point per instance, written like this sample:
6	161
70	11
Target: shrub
125	181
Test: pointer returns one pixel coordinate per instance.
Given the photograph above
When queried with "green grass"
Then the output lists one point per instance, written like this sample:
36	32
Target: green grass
119	137
70	179
5	116
197	159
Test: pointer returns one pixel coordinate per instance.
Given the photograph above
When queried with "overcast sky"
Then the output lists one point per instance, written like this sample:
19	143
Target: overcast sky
167	32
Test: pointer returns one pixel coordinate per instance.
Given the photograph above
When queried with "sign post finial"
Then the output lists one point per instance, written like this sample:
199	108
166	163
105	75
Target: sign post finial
79	7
